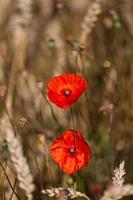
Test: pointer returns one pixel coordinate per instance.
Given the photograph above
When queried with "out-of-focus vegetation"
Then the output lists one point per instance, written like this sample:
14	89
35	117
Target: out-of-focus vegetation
42	38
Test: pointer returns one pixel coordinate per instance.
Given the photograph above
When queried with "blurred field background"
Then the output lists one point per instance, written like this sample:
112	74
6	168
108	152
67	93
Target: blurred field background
43	38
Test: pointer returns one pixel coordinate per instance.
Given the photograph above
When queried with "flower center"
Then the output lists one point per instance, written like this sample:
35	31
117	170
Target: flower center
67	92
72	150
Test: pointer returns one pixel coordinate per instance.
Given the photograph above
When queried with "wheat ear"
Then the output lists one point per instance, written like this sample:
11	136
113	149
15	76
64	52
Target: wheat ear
18	160
118	190
89	21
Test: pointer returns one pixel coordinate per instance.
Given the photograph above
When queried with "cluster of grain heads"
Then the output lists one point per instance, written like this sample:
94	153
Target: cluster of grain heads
89	20
18	160
114	192
65	192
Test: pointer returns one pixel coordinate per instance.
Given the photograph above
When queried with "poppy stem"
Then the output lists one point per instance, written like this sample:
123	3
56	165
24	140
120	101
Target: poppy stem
74	135
72	117
73	127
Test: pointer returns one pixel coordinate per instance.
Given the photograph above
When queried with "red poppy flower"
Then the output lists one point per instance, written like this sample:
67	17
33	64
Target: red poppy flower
65	89
70	151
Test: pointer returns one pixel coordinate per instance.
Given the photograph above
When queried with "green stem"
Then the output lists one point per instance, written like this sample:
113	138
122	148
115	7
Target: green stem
52	112
73	126
74	135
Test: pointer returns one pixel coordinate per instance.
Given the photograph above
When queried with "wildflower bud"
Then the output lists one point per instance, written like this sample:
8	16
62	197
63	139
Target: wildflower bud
108	22
69	181
3	89
82	47
3	49
51	43
59	5
107	107
97	188
24	74
40	85
22	122
107	64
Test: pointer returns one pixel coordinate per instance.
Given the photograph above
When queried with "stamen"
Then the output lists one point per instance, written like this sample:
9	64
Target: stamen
67	93
72	150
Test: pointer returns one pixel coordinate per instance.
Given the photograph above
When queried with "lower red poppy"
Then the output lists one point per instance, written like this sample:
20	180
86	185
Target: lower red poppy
70	151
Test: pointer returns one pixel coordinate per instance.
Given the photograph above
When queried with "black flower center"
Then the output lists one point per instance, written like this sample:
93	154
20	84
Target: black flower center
67	93
72	150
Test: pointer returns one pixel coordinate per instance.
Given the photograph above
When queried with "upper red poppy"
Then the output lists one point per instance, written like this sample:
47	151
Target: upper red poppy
70	151
65	89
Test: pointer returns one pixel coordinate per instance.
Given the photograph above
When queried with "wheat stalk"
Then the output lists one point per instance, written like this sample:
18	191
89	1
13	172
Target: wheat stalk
53	31
47	8
20	22
4	9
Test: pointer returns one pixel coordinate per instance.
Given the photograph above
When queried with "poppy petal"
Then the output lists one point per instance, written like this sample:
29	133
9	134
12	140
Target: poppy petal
69	165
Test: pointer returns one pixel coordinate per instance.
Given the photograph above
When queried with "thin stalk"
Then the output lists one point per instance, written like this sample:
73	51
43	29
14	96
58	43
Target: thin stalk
1	190
82	61
9	181
52	112
46	157
36	162
86	96
4	181
10	119
79	56
13	188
